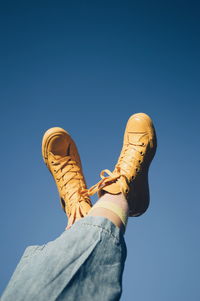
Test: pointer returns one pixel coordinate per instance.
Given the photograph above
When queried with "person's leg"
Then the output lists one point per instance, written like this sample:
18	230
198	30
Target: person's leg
125	191
79	263
44	271
86	262
113	207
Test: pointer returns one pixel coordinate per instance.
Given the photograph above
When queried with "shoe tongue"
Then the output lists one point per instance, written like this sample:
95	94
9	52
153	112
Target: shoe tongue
56	157
135	137
112	188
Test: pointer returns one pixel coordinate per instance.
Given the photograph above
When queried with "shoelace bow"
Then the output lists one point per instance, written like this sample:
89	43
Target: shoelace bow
119	173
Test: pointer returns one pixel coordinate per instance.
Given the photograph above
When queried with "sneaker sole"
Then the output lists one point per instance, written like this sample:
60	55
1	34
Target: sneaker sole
141	199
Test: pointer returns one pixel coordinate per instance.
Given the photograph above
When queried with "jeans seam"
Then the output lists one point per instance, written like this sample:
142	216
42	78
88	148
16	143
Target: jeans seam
109	232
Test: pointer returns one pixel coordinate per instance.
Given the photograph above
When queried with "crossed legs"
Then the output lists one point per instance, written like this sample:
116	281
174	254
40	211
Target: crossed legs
92	249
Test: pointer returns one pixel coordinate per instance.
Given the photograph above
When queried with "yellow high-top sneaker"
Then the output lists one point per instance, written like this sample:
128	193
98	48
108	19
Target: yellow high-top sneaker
63	161
130	175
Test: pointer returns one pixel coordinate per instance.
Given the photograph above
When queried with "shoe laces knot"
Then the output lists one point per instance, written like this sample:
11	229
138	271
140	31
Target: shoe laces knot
123	172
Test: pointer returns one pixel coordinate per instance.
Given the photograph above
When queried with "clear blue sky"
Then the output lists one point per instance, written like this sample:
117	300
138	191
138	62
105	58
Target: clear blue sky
87	66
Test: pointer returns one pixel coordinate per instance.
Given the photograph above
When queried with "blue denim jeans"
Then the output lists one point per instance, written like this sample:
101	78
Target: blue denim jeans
85	263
